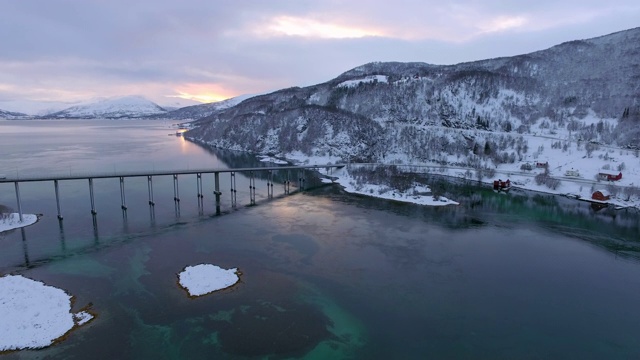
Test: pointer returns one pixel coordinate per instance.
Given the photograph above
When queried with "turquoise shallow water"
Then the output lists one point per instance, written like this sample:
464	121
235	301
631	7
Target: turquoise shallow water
328	275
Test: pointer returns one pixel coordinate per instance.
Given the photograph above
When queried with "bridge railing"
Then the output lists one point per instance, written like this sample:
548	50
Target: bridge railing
8	178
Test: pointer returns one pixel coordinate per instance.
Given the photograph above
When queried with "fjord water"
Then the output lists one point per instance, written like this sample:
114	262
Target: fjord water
325	274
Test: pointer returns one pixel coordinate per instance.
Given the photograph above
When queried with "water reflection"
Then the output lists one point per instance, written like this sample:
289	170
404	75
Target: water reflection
25	248
63	239
96	235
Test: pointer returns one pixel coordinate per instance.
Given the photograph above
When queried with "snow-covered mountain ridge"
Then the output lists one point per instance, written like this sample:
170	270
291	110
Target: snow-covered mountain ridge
12	115
200	111
400	105
121	107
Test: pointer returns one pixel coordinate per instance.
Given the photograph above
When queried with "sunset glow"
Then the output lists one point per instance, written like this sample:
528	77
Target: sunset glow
294	26
251	47
203	98
504	23
205	93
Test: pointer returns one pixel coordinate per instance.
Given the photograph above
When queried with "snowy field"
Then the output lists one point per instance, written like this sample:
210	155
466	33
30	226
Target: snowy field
203	279
34	315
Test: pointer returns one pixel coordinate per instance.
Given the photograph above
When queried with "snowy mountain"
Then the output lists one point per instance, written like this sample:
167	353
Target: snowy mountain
115	108
35	107
12	115
477	112
175	103
200	111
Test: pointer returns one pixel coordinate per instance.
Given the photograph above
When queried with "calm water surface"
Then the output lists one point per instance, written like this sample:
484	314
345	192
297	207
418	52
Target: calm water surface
326	275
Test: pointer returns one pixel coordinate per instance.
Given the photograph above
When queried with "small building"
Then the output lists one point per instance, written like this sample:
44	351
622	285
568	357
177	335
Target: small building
542	165
572	172
501	185
601	195
609	176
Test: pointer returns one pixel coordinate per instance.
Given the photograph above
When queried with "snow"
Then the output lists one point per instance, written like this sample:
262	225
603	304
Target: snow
126	106
82	317
12	221
34	315
367	79
174	102
419	194
271	159
206	278
231	102
573	157
576	157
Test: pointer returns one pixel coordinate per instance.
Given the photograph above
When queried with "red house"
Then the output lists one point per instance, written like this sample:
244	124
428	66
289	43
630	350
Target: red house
602	195
610	176
501	185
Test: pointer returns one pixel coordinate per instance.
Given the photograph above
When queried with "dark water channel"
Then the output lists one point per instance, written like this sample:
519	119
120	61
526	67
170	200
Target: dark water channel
325	274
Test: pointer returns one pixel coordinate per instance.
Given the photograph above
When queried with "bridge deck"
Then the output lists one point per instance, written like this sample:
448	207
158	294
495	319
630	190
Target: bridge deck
124	174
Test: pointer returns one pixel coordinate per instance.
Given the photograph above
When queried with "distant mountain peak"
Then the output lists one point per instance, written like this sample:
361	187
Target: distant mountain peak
11	115
130	106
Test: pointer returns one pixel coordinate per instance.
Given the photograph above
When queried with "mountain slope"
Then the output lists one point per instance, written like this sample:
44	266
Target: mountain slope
122	107
12	115
200	111
573	86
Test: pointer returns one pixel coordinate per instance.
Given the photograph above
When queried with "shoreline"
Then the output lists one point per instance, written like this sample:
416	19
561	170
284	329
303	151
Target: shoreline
579	188
619	204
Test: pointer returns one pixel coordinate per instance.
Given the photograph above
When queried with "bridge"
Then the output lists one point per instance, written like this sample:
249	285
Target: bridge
149	175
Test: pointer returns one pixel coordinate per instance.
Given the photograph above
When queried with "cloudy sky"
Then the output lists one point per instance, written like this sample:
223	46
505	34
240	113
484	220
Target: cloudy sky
209	50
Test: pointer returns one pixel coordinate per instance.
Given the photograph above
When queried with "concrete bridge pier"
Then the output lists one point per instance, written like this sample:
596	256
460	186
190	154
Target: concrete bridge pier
269	184
216	192
252	188
200	196
123	202
301	179
234	190
18	200
150	188
152	214
176	190
176	195
287	183
55	185
93	202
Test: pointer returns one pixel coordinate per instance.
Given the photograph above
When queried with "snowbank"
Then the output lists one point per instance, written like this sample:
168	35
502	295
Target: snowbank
34	315
419	193
264	158
12	221
206	278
